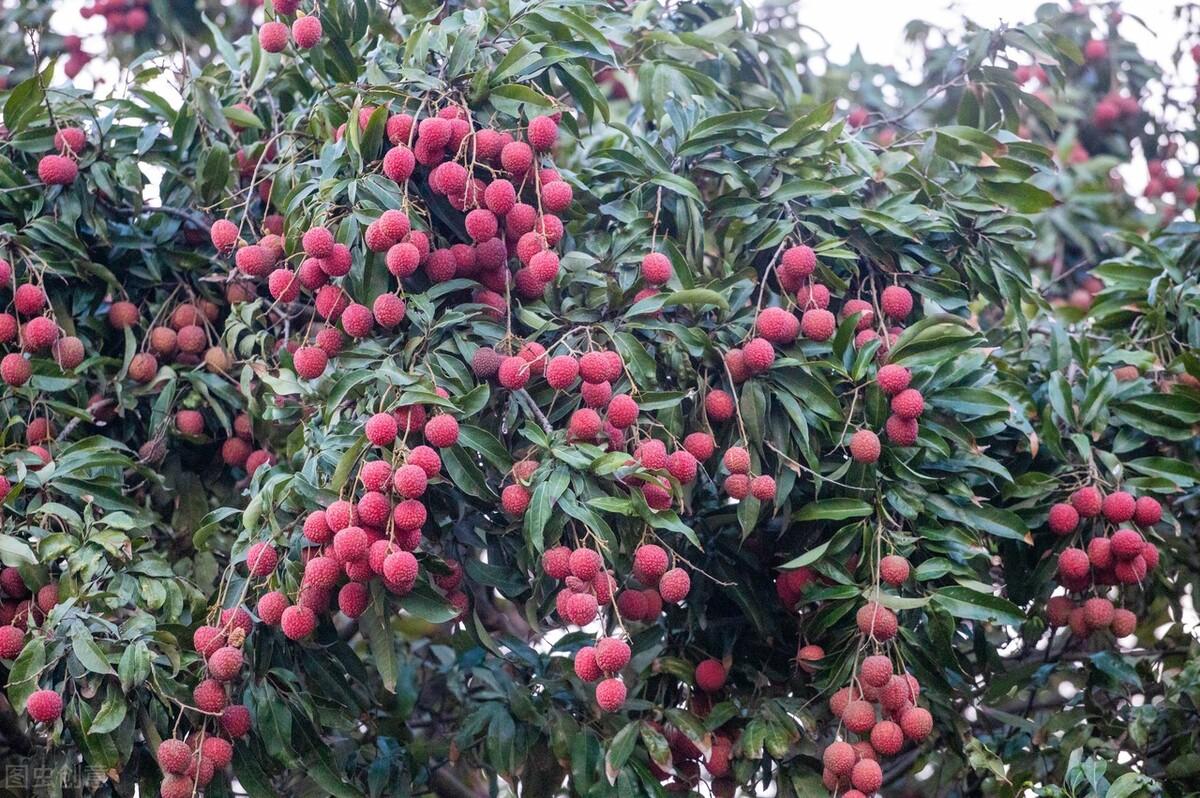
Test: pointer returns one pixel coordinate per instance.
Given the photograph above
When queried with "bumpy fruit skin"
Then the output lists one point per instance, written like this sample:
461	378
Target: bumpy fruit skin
1118	507
1073	564
718	406
1126	544
235	721
839	758
261	559
585	665
12	640
298	622
710	675
894	570
1098	612
1063	519
650	562
1124	623
209	696
57	170
15	369
442	431
901	431
777	325
876	621
1087	501
44	706
867	776
225	663
381	429
612	654
893	379
306	31
610	695
174	756
556	562
68	352
1147	511
585	564
758	355
515	500
584	425
762	488
271	606
817	324
887	738
798	262
674	585
865	446
896	302
917	723
908	404
273	36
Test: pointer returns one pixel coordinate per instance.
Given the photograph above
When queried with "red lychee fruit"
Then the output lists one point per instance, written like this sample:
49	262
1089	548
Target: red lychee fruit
650	562
584	425
887	738
674	585
516	157
310	362
15	369
261	559
1063	519
867	776
514	499
381	429
174	756
610	695
737	486
1073	564
1087	501
718	406
542	132
683	466
762	488
901	431
585	564
441	431
1058	611
839	758
225	663
817	324
815	295
1118	507
859	716
427	459
39	334
710	675
298	622
1126	544
1098	612
209	696
758	355
207	639
896	302
656	268
580	608
798	262
893	569
917	723
908	404
778	326
586	667
306	32
612	654
1095	50
388	310
271	606
893	379
235	721
556	562
1147	511
876	621
273	36
57	170
865	446
1124	623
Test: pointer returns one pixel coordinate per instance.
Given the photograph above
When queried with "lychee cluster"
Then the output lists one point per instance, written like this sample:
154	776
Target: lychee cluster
740	482
880	708
1107	554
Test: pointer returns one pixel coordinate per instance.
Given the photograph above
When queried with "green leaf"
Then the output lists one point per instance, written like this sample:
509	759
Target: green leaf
832	510
89	654
962	602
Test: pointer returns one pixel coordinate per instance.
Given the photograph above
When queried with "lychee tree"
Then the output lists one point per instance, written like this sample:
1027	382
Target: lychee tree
594	413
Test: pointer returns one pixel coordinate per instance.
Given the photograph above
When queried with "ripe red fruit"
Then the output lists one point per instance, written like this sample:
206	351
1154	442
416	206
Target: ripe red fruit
1095	50
839	758
39	334
174	756
29	299
893	569
612	654
700	444
1098	612
586	667
57	170
867	776
682	466
298	622
901	431
893	379
514	373
388	310
323	572
817	324
542	132
864	446
580	608
1058	611
410	481
261	559
917	723
584	425
859	716
1124	623
15	369
556	562
1063	519
1147	511
650	562
762	488
427	459
557	196
1126	544
209	696
207	639
710	675
381	429
896	302
674	585
887	738
876	621
622	411
441	431
778	326
70	140
1087	501
1073	564
225	663
353	599
814	295
12	640
515	500
718	406
656	268
310	362
271	606
68	352
273	36
610	694
306	31
516	157
758	355
317	242
908	404
1118	507
585	564
737	460
44	706
798	262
